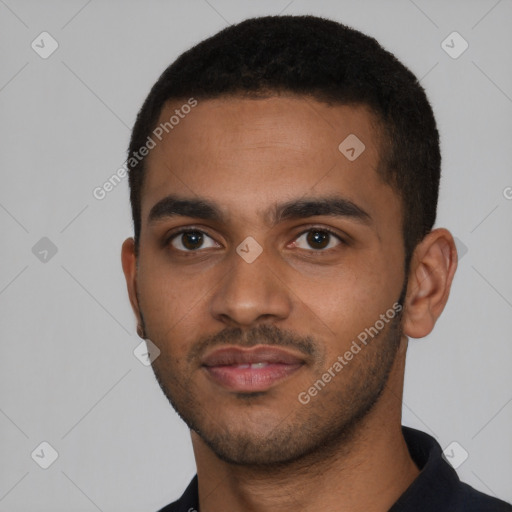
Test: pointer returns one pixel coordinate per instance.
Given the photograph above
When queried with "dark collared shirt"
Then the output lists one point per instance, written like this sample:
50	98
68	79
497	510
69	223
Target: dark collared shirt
437	488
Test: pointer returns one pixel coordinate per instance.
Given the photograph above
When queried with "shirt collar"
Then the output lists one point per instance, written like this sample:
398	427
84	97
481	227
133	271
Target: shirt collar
434	487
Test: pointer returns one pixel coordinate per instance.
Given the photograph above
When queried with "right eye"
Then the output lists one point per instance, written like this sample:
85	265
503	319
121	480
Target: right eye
189	240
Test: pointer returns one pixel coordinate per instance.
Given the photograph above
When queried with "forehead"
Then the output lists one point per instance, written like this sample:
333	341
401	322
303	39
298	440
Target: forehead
299	122
241	152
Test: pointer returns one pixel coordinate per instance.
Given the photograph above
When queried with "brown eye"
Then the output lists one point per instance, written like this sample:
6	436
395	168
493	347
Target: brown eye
191	240
317	239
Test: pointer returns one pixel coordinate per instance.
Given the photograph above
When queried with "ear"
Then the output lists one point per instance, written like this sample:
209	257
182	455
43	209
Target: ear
433	266
129	262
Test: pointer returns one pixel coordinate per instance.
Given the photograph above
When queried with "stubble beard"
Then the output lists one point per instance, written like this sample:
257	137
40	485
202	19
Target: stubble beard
302	434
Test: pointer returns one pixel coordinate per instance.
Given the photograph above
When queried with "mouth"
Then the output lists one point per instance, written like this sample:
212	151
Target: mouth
250	370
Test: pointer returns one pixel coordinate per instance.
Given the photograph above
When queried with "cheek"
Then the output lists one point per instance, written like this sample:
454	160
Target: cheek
175	306
166	300
340	305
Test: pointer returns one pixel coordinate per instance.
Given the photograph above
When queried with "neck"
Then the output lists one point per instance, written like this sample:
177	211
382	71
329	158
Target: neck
366	471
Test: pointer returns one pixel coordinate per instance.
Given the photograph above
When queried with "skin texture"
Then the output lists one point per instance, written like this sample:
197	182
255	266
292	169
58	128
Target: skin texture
267	450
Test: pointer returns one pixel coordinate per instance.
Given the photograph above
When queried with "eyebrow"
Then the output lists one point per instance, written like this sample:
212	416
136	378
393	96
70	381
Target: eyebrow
333	206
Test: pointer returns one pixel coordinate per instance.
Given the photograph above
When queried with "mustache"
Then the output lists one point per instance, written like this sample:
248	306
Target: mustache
263	334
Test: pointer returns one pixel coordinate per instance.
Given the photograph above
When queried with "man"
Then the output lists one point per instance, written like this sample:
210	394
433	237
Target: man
284	178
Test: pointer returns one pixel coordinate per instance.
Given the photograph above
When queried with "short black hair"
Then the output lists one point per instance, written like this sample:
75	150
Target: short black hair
324	60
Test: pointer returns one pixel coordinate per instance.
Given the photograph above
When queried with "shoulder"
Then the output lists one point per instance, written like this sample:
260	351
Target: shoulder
438	487
468	499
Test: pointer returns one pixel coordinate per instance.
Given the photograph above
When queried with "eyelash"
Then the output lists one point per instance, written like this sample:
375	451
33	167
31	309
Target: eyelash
192	229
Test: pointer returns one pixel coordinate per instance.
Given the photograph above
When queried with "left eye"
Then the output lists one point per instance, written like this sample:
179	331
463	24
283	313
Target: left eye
317	239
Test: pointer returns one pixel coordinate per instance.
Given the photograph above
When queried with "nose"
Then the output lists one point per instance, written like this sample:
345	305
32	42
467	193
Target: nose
251	293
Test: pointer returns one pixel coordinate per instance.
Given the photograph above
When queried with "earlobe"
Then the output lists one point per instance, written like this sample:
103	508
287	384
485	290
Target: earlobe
433	266
129	263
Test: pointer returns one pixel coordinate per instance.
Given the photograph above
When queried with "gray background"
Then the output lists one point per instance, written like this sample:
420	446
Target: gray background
68	375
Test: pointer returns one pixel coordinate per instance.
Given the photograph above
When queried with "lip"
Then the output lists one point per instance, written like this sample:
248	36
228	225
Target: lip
250	370
260	354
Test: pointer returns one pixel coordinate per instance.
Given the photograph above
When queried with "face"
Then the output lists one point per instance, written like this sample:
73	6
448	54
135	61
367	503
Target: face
266	257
